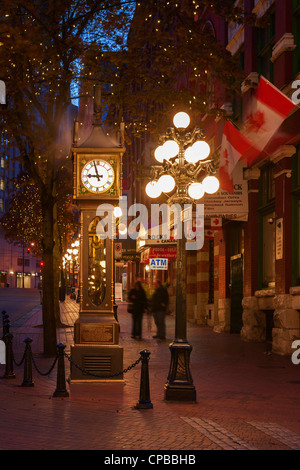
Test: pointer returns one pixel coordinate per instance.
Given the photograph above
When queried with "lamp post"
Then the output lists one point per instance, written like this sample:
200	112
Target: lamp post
71	257
117	214
183	157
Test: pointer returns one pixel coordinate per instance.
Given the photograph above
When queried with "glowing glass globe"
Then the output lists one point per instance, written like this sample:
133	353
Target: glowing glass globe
122	229
198	151
202	149
196	190
117	212
171	149
190	155
211	184
153	190
159	154
181	120
166	183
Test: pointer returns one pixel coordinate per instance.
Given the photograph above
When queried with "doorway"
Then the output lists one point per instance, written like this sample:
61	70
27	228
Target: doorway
236	295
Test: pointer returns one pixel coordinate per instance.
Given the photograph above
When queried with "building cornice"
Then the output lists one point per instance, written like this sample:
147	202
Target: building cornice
236	41
286	43
250	82
284	151
262	7
251	173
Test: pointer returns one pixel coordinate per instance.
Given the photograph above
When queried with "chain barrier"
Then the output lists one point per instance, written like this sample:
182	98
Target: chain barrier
18	364
84	371
37	369
61	389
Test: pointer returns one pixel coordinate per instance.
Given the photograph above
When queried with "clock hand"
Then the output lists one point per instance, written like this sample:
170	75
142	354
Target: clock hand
97	174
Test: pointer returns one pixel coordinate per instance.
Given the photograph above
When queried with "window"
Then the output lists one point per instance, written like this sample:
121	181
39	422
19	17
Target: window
266	228
2	184
26	262
1	205
265	43
296	218
267	185
2	162
296	33
268	261
237	102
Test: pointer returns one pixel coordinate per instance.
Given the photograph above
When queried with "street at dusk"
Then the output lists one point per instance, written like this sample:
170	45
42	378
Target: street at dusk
150	228
246	399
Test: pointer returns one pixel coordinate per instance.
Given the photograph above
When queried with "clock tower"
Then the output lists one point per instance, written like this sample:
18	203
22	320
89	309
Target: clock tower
97	164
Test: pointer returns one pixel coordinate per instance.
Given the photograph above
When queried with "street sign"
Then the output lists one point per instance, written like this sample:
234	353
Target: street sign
158	263
118	291
118	250
279	238
169	252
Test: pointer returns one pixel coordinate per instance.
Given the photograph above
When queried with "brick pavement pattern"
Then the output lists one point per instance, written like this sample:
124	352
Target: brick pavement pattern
245	399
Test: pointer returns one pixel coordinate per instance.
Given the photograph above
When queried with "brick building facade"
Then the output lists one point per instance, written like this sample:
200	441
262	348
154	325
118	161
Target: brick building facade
258	279
247	279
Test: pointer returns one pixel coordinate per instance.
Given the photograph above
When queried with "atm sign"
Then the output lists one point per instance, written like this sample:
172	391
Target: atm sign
158	263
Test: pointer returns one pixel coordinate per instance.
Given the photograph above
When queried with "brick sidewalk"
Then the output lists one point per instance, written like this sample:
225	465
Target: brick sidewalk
246	399
32	327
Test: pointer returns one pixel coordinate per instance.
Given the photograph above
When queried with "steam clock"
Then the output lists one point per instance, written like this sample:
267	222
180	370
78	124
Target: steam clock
97	180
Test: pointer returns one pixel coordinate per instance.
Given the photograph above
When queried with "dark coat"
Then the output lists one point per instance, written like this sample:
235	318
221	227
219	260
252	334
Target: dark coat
139	300
160	300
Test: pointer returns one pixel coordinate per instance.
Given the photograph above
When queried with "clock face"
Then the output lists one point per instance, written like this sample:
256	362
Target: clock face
97	176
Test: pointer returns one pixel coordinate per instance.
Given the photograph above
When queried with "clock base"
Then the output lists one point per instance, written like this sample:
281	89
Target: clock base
102	361
96	351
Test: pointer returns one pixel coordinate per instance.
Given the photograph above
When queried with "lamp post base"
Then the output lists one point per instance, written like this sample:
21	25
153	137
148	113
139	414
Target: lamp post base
179	386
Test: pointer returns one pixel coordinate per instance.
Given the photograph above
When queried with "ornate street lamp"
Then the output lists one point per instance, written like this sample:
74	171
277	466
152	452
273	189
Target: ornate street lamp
183	157
72	257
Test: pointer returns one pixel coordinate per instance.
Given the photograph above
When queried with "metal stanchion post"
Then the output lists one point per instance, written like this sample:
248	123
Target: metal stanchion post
61	390
27	382
9	366
4	317
6	326
144	401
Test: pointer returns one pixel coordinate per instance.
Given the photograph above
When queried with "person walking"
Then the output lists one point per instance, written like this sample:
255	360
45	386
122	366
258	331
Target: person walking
159	306
137	297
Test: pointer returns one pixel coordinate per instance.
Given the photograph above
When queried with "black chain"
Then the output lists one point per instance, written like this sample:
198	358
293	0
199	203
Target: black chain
84	371
37	369
19	363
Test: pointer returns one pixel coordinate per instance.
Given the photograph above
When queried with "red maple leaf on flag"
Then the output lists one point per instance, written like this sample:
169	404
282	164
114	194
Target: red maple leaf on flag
226	157
255	122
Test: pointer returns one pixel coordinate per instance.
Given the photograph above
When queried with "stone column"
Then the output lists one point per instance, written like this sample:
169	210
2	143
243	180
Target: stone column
253	319
286	316
224	280
191	286
202	283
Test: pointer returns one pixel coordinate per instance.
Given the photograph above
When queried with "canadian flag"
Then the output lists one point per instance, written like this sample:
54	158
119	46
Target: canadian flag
267	111
234	145
216	223
209	234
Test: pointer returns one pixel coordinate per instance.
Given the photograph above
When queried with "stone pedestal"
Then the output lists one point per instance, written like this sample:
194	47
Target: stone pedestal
286	318
286	321
254	321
